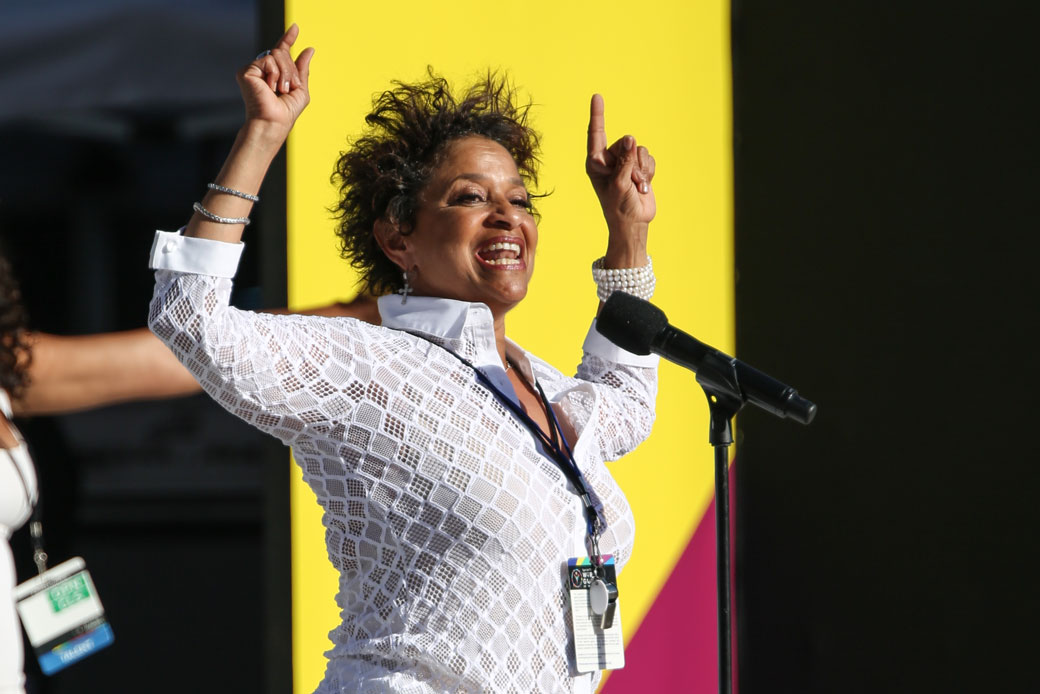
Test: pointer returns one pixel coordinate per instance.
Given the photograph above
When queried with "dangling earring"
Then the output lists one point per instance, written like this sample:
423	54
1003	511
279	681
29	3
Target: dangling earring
405	288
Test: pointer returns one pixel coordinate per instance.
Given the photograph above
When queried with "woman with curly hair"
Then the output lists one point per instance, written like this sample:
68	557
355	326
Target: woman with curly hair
457	472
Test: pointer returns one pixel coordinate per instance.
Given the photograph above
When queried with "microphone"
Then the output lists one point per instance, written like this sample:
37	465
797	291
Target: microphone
640	327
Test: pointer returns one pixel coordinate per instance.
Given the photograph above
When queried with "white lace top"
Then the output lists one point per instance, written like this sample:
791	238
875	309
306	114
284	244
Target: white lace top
449	527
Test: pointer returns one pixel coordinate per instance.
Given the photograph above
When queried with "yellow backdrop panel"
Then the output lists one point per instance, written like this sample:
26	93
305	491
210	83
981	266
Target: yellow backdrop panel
664	73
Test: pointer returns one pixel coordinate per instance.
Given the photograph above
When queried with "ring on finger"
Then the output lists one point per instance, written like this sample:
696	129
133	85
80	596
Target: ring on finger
262	54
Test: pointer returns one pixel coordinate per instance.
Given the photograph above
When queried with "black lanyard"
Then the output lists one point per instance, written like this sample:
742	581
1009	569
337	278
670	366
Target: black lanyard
35	520
562	456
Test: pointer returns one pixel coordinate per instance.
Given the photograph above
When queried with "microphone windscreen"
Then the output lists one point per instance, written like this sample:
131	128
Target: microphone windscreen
630	322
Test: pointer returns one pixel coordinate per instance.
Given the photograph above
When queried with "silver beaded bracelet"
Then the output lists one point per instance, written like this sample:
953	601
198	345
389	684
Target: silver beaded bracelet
217	218
232	191
637	281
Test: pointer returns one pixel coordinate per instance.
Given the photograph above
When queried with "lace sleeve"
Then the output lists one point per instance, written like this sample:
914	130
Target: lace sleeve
627	396
282	374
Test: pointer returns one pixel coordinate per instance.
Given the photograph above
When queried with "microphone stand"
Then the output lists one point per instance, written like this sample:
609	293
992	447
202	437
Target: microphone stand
641	327
718	378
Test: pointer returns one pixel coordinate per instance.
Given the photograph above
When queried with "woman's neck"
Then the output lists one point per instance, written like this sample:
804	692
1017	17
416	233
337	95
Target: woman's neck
500	339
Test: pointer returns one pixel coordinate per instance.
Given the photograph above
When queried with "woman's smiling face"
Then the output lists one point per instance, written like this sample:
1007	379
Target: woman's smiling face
474	236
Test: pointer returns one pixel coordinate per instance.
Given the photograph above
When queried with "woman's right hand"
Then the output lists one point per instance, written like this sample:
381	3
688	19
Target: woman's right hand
274	87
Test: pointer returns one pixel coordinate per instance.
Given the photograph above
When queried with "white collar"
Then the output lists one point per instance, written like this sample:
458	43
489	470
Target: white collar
466	328
444	318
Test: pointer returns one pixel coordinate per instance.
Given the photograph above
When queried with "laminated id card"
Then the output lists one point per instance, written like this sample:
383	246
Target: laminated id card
595	614
62	615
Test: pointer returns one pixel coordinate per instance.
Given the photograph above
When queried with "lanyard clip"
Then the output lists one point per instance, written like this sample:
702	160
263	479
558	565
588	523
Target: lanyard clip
39	556
594	529
594	553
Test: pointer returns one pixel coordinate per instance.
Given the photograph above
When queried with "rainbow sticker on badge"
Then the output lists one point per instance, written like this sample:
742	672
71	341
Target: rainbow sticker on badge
62	615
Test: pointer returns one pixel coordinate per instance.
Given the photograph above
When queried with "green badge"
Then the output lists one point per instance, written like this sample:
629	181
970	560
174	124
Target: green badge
68	592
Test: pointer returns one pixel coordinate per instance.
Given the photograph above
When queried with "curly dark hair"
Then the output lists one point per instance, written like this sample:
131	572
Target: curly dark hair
384	172
14	344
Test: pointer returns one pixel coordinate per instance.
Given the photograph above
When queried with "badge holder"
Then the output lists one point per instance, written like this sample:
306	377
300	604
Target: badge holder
60	609
595	617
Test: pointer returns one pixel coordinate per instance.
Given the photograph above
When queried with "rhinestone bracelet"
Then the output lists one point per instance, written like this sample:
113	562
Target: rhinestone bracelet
217	218
637	281
232	191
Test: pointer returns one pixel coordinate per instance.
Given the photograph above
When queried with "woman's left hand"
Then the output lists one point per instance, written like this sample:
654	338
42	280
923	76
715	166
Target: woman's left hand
622	177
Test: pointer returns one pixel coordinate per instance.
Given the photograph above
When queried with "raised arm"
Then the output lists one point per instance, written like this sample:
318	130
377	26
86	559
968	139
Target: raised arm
622	176
73	373
274	90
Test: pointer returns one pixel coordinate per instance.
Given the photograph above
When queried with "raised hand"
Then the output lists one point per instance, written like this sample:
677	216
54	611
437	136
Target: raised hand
274	86
622	177
274	89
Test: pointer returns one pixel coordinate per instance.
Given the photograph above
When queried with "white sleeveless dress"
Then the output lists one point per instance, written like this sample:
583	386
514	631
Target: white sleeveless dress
17	495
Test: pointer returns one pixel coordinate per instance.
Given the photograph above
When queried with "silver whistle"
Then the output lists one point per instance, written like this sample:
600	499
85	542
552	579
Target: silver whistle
603	601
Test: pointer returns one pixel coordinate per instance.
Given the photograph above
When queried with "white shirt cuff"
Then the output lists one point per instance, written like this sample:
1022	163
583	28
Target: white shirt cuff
171	251
600	346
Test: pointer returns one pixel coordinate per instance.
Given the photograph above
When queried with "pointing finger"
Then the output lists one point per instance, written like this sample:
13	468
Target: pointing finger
597	133
286	77
289	37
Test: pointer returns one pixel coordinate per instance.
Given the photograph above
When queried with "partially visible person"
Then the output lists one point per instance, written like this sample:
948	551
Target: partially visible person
17	477
43	374
71	373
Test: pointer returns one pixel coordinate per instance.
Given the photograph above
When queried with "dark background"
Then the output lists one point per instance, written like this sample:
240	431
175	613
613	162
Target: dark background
886	186
885	181
115	116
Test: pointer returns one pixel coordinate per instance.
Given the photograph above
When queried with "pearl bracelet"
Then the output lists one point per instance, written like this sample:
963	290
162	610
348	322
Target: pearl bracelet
217	218
637	281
